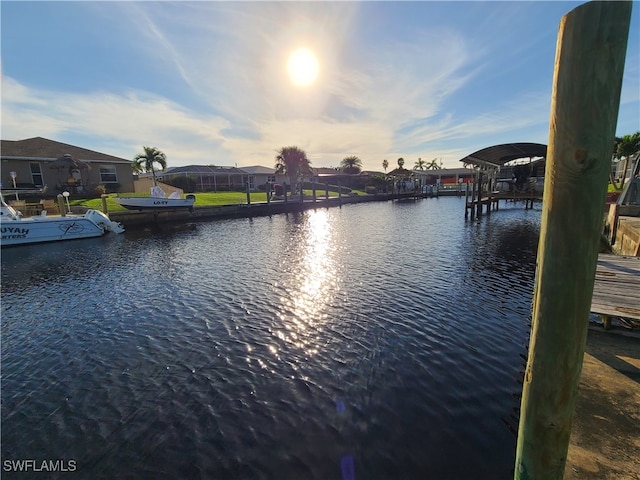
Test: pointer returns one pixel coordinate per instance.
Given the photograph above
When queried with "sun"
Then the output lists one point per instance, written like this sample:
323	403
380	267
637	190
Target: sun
302	67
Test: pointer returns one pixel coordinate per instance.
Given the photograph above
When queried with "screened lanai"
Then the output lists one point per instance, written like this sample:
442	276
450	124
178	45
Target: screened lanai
207	177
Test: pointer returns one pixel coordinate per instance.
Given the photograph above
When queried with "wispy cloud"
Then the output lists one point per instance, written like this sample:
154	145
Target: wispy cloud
211	85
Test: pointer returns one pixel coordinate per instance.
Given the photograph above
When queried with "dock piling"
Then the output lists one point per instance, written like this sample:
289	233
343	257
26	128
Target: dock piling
590	55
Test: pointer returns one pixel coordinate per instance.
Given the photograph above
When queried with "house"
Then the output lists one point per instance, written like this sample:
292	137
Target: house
445	176
259	176
192	178
38	162
203	178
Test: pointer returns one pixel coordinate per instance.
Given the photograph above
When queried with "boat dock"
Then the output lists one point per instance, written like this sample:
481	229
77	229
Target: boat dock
474	207
616	292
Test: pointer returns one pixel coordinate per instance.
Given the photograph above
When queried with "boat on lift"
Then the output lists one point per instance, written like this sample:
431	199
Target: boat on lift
18	230
157	201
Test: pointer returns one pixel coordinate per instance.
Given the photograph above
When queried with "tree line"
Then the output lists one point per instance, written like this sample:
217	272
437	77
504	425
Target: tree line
293	162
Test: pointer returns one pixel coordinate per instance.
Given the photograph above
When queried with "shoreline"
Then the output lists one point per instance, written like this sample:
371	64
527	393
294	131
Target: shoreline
141	219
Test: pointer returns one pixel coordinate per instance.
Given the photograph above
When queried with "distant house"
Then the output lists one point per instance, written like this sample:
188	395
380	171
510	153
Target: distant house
203	178
445	176
213	178
38	162
258	176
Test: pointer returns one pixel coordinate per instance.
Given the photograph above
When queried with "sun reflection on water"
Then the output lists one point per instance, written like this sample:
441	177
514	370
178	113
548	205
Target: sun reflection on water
312	280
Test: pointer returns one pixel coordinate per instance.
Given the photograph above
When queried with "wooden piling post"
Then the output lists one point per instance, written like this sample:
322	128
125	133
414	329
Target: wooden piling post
105	209
479	204
248	195
472	206
590	55
62	208
466	201
489	195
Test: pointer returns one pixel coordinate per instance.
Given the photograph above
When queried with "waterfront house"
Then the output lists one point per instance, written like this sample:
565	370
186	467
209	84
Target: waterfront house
444	176
258	176
39	162
212	178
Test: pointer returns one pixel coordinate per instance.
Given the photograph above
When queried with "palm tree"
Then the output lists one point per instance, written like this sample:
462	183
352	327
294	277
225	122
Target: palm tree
401	163
143	162
292	161
420	164
351	164
433	165
385	165
625	147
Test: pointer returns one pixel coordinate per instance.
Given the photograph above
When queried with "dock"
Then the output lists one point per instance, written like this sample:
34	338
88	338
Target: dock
616	292
475	206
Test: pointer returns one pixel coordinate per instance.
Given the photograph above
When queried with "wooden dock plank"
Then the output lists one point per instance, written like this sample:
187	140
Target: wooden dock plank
616	291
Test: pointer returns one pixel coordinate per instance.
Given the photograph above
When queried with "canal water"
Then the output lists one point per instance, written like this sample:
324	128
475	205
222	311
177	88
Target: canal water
372	341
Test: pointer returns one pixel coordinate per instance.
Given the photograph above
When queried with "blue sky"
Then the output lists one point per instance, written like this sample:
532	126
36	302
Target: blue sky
207	83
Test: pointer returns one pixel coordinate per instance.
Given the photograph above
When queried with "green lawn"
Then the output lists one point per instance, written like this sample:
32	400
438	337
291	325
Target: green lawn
202	199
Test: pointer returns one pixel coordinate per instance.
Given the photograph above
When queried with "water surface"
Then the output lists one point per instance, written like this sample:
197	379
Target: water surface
371	341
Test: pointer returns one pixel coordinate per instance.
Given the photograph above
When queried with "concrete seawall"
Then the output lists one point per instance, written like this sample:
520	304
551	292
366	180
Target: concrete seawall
146	218
622	229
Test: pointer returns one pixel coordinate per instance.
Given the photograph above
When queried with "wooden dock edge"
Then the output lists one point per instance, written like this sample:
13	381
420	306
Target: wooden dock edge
622	229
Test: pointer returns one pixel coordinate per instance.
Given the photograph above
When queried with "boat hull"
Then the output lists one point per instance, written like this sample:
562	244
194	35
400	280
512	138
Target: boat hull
151	203
39	230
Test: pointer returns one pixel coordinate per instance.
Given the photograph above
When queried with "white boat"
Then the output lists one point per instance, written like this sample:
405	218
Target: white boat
157	201
18	230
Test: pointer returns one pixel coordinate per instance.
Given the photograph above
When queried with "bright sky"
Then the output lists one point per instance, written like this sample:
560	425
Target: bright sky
216	83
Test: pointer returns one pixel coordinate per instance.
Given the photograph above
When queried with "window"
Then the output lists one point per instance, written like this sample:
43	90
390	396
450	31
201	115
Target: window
108	174
36	174
271	178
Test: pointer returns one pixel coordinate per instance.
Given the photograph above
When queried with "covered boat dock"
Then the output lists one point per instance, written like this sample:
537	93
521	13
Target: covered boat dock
488	164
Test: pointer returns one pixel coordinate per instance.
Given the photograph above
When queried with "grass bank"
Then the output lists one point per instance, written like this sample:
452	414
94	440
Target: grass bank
203	199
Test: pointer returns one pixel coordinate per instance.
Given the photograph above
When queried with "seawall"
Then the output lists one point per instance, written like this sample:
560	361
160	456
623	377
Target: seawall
146	218
622	229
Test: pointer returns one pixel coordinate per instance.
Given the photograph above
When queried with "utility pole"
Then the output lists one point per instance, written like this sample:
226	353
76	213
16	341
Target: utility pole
590	55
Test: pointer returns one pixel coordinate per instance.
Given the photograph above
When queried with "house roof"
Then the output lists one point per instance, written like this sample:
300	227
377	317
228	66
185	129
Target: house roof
39	148
259	170
444	172
401	172
203	170
498	155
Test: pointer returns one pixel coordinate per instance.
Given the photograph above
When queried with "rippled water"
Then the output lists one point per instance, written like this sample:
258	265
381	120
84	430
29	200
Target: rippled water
371	341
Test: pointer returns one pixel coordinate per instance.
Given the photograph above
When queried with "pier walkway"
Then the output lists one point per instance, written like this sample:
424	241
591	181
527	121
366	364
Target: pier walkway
616	292
492	201
605	435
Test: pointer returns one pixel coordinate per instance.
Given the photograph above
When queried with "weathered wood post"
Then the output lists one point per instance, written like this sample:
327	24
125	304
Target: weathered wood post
489	194
326	189
479	204
466	201
472	206
248	195
62	208
590	56
105	209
